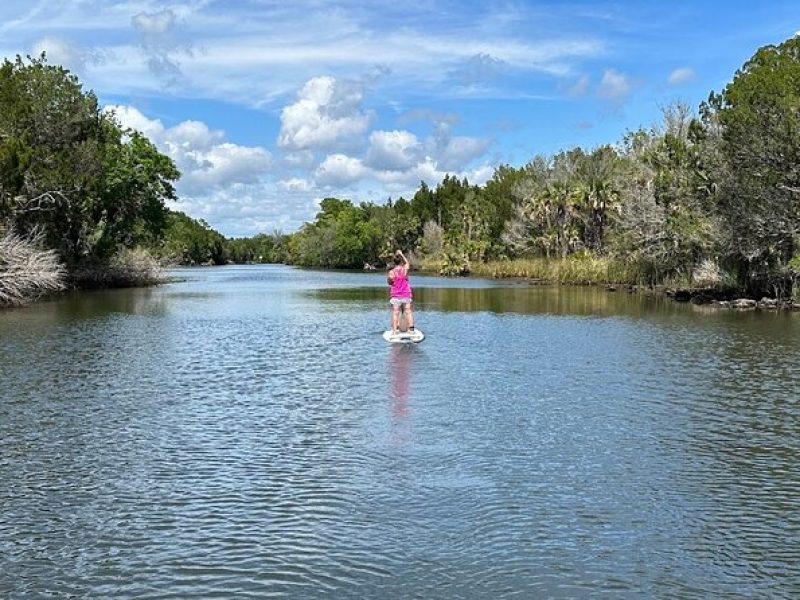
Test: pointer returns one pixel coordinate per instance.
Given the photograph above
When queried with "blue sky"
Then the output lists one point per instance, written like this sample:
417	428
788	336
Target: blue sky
268	107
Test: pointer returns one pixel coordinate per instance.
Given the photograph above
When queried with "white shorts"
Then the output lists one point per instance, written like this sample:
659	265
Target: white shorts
399	301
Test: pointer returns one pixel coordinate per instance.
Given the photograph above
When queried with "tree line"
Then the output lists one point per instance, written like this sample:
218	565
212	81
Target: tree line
708	196
74	184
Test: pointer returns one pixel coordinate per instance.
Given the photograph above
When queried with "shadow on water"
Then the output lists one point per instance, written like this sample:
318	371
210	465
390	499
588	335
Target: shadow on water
78	306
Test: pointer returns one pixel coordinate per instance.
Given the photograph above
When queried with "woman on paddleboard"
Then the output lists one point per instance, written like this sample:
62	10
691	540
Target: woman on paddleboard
400	292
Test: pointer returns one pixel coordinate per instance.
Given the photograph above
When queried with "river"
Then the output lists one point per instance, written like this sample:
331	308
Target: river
246	432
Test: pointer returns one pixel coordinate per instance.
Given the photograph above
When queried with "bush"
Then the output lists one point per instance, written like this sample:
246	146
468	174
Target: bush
26	271
127	268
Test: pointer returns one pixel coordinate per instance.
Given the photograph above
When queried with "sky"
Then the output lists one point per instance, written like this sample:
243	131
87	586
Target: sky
269	107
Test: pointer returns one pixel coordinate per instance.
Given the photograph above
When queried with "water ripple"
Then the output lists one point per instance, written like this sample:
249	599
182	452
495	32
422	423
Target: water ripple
237	435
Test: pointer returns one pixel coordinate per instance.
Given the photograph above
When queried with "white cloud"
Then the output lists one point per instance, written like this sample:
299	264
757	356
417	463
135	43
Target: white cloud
154	24
248	209
614	85
128	116
252	53
221	165
65	53
193	135
326	111
296	184
681	75
340	170
393	150
405	183
203	157
459	151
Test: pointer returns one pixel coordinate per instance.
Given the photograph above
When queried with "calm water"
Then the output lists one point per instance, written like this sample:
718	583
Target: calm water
248	433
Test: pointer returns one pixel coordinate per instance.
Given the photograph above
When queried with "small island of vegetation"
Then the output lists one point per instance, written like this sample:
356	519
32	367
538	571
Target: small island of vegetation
708	200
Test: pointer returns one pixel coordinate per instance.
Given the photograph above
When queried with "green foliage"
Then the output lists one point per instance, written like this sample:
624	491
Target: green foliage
564	204
188	241
67	168
695	200
666	224
342	236
756	123
261	248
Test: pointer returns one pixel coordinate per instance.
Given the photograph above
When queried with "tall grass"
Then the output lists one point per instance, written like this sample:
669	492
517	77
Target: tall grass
579	269
26	271
129	267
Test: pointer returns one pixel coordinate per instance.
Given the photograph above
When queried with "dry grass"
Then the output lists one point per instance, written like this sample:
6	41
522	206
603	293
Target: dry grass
26	271
578	269
129	267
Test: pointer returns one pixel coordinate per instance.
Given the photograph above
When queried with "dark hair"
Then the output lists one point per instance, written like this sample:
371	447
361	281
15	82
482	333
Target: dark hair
398	260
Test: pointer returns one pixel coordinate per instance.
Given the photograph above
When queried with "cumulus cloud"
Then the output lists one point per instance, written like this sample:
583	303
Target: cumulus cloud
340	170
614	85
393	150
296	184
452	153
459	151
682	75
398	159
248	209
131	117
326	110
203	156
405	182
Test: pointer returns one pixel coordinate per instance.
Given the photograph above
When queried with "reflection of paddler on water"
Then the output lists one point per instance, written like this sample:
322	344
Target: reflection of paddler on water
400	299
400	366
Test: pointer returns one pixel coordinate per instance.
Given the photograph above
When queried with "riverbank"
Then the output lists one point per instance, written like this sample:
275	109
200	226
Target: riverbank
707	285
28	272
584	269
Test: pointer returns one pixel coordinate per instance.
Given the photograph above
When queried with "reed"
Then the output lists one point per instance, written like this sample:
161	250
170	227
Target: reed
580	269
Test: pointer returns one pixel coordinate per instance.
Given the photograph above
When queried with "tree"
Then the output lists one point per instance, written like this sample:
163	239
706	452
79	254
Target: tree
188	241
756	120
68	168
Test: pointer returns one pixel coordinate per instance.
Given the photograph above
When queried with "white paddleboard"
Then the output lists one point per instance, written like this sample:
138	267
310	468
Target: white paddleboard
404	337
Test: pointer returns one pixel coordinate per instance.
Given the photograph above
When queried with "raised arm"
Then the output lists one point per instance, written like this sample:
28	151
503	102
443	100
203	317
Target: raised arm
406	264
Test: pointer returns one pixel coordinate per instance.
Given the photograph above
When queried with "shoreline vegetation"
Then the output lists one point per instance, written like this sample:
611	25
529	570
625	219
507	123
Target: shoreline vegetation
703	206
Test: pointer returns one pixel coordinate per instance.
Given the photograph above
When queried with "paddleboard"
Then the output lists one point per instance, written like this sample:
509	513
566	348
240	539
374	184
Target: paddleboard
404	337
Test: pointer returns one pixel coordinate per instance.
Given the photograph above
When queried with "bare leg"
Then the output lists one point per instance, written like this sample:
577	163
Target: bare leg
395	318
409	315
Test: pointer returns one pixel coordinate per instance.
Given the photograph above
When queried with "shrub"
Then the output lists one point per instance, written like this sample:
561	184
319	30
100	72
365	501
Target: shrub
26	271
128	267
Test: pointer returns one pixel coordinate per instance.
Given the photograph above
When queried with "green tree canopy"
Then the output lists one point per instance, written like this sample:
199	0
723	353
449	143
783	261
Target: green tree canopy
756	119
69	168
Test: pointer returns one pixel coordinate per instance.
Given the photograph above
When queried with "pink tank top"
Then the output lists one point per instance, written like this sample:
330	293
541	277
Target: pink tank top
400	287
